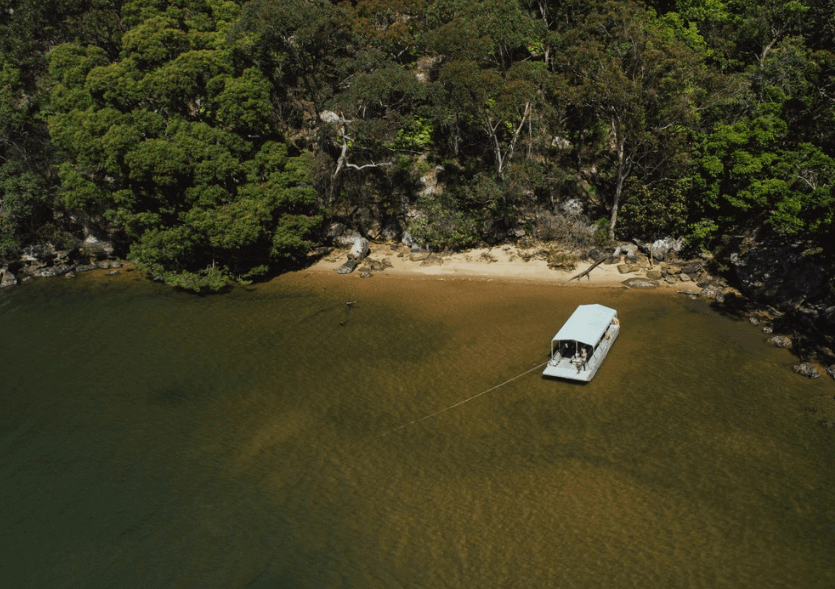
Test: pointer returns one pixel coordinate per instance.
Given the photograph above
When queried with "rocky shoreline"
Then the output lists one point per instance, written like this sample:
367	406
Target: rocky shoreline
785	289
635	267
46	261
791	289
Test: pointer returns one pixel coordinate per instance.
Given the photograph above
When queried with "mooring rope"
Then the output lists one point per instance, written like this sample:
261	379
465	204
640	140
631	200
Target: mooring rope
461	402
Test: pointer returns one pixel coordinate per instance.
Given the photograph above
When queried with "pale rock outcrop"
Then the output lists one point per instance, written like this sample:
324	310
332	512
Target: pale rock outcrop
806	369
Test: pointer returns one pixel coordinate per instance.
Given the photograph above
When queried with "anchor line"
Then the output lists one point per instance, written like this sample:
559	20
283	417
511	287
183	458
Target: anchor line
461	402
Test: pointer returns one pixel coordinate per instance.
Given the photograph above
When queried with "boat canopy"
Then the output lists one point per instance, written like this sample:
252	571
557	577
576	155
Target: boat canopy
586	325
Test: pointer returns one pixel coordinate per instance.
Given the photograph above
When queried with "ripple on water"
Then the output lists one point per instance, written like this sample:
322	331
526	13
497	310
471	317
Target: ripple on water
155	438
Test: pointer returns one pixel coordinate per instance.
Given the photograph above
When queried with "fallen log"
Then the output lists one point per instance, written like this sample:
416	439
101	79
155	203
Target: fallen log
587	270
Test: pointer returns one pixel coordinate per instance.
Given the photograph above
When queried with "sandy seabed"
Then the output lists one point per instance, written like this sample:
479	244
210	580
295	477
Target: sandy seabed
504	263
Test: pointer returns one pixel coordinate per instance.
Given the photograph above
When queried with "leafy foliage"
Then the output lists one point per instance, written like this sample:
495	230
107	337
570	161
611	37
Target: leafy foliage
638	77
173	145
211	137
650	212
443	223
24	206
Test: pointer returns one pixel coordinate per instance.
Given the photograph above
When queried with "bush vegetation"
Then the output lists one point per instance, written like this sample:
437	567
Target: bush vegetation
211	138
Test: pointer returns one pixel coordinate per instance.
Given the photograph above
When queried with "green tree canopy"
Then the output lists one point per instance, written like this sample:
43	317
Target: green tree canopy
173	144
633	73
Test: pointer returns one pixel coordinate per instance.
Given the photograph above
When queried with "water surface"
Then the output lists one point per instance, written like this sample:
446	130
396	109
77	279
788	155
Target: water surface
150	438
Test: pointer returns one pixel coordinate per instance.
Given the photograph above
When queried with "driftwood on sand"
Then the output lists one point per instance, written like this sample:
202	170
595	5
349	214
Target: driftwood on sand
587	270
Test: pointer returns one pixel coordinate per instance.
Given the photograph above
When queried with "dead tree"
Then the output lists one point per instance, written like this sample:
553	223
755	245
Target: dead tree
588	270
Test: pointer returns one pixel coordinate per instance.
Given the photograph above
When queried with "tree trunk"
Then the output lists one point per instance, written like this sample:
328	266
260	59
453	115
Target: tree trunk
624	166
503	157
613	219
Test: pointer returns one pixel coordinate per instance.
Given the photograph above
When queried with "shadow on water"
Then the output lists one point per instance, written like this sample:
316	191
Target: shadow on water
151	438
174	395
809	337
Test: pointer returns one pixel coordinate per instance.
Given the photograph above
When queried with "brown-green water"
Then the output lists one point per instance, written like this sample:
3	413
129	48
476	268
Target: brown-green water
150	438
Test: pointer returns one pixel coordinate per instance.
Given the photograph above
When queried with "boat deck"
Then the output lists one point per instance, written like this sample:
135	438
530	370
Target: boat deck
564	368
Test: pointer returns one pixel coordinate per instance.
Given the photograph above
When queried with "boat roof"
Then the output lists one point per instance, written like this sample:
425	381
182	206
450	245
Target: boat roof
587	324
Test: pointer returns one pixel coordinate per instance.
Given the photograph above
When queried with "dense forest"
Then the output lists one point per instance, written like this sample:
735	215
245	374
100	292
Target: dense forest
216	139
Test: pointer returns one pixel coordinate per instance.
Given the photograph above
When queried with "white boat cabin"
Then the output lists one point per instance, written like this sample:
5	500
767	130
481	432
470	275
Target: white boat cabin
582	343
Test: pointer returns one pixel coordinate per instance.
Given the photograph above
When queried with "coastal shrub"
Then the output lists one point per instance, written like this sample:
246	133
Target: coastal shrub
560	260
571	230
209	279
600	235
702	233
482	191
652	212
24	207
415	134
443	224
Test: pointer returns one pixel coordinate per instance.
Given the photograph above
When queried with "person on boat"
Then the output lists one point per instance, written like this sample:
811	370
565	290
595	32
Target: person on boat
579	359
583	359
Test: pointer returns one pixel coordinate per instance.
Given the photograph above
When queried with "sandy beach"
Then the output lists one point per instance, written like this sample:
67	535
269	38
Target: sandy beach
505	263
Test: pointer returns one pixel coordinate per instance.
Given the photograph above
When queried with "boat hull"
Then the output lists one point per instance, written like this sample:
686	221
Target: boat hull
563	367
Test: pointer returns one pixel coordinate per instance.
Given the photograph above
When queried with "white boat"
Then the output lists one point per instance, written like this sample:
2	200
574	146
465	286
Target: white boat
591	330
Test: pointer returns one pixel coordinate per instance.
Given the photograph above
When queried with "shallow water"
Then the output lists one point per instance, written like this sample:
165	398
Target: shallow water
154	438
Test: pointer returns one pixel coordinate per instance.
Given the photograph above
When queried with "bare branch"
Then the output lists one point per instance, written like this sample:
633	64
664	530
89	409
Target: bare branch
342	162
371	165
